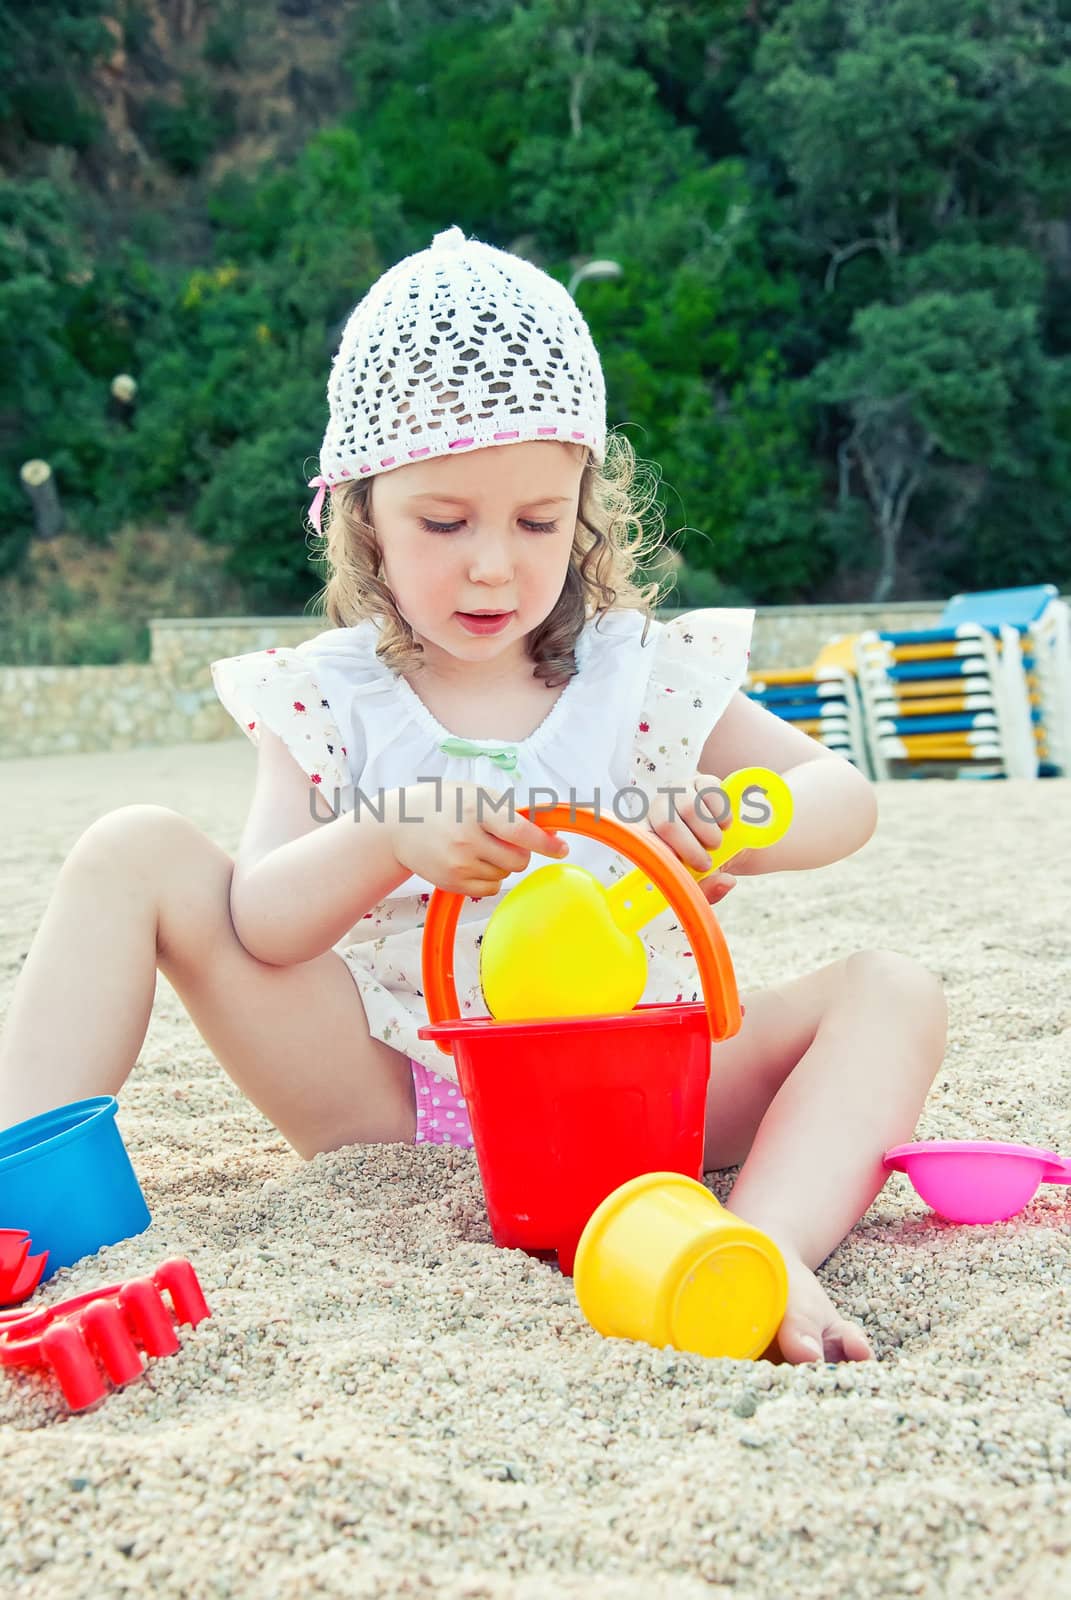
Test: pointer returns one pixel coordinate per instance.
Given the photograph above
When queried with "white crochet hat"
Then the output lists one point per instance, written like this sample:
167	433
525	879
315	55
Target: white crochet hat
455	348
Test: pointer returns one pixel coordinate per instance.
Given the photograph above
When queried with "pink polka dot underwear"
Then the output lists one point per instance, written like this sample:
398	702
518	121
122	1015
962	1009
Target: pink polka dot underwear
441	1117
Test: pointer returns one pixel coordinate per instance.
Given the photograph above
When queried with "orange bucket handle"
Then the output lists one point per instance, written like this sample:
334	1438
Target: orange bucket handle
665	872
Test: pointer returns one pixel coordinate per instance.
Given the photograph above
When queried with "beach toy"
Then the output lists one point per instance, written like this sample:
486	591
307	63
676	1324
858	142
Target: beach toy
976	1180
565	1109
562	944
20	1272
660	1260
65	1178
104	1328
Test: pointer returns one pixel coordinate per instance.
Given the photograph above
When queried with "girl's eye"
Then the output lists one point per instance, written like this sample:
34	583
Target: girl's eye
452	527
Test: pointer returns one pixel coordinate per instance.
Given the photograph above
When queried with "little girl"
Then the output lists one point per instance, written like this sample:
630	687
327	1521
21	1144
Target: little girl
487	638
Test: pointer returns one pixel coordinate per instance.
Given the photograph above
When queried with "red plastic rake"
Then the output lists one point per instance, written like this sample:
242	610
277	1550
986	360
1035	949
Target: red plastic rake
78	1337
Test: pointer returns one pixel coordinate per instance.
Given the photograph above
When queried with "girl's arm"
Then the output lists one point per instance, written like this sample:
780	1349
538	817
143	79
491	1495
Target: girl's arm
835	806
300	883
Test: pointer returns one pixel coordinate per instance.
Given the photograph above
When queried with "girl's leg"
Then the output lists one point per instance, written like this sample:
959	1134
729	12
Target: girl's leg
826	1073
143	889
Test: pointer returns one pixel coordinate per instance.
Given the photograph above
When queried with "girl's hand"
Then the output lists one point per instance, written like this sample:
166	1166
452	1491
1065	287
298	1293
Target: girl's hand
450	834
717	885
690	826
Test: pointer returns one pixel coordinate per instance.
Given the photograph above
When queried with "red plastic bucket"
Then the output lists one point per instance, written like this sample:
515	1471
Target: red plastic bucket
564	1110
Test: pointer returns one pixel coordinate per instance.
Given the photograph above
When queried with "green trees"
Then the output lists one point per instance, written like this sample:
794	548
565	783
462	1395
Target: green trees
841	329
581	157
45	49
923	151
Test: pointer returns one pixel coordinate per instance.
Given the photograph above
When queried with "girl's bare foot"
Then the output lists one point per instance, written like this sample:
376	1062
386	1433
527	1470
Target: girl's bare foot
812	1328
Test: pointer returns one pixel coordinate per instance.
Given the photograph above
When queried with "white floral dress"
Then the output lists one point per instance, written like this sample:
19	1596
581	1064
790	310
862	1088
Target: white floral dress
636	714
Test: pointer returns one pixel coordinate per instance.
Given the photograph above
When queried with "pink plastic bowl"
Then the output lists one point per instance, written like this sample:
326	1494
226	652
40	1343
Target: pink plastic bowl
973	1180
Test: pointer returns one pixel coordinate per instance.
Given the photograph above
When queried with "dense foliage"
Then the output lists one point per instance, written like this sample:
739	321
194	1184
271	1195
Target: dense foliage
842	326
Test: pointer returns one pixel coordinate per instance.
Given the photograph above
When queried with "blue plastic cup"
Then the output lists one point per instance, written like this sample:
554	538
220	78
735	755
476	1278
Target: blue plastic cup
66	1178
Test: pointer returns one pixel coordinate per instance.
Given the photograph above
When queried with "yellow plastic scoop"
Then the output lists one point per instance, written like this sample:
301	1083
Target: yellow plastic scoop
563	945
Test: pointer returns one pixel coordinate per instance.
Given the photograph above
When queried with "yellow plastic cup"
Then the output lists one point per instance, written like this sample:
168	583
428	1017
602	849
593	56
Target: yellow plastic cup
660	1260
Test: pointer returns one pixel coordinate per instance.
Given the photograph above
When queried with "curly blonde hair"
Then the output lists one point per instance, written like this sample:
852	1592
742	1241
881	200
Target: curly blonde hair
611	542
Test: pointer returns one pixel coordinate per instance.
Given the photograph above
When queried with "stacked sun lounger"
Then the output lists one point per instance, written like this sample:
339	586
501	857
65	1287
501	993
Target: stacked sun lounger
821	700
1048	663
967	698
1045	643
1041	625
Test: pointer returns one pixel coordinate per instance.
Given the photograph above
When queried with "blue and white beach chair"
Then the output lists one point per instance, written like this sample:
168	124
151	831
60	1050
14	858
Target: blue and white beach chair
1041	623
821	700
965	698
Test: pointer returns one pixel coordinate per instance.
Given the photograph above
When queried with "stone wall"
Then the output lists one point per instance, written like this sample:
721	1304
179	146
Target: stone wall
167	700
791	636
170	699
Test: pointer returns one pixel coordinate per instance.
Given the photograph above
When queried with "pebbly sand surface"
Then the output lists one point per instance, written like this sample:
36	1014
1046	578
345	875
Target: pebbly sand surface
383	1404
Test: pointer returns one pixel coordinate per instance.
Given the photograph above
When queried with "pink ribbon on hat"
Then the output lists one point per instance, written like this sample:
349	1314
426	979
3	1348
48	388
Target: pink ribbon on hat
321	486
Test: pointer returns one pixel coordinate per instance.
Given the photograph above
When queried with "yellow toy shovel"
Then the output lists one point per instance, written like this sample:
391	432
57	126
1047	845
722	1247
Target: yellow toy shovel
563	945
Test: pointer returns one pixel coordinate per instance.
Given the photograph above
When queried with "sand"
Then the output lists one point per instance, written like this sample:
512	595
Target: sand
384	1404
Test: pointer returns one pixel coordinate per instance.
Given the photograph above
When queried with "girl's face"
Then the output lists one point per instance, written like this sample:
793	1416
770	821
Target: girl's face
486	532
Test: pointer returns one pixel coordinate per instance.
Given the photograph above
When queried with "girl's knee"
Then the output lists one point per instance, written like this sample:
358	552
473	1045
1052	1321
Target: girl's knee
892	976
142	831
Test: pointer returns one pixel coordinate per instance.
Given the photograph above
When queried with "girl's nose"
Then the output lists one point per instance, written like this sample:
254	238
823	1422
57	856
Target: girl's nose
492	561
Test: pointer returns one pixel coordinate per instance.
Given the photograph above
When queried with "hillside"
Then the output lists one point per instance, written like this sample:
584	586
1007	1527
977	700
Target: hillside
841	332
254	79
74	603
261	77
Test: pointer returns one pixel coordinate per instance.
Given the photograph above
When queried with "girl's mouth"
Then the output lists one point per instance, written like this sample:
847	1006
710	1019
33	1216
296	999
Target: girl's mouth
484	621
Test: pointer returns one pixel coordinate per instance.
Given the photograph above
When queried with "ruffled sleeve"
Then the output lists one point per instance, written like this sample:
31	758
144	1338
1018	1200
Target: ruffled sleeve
279	689
700	662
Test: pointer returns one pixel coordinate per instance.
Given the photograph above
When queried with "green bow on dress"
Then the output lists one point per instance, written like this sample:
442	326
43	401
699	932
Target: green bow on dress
505	757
